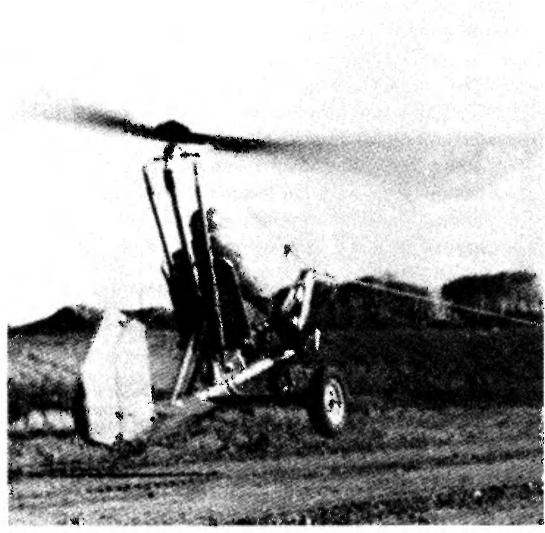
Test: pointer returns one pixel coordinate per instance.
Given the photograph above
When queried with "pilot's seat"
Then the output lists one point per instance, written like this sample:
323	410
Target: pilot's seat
236	325
289	313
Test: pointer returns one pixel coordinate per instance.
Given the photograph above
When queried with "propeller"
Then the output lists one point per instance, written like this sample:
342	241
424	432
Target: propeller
170	131
412	165
367	155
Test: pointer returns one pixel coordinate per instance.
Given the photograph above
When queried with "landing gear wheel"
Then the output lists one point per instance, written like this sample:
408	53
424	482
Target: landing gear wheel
327	401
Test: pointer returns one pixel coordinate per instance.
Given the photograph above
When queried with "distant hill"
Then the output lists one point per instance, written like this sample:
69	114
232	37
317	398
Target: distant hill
82	318
66	320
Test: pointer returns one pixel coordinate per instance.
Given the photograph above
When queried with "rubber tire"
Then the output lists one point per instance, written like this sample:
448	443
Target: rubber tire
316	406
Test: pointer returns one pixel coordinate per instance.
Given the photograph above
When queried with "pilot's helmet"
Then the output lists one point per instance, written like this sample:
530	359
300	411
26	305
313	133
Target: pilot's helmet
211	219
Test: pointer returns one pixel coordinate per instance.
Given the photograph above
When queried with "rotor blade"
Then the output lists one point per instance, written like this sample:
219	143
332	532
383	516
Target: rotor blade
413	165
169	131
109	121
235	145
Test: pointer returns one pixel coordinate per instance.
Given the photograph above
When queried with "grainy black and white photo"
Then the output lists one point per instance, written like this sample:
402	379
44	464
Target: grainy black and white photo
274	263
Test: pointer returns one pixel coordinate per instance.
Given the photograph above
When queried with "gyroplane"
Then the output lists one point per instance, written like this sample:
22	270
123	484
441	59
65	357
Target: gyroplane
220	353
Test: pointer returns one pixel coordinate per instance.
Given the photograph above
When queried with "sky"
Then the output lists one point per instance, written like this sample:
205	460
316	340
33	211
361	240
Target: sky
436	109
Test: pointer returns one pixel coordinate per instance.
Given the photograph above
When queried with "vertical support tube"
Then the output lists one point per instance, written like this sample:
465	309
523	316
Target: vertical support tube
171	188
210	265
150	193
182	282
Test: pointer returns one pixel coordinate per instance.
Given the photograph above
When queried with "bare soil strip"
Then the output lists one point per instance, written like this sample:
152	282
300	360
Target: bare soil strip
314	492
404	510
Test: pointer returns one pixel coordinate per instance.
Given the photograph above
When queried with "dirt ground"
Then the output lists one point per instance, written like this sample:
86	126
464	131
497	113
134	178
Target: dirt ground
484	469
506	492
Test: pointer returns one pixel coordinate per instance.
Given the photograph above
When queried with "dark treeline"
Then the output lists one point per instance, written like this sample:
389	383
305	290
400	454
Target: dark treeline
513	294
362	304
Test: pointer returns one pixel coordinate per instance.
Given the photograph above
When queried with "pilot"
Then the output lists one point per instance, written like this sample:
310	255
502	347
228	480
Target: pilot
285	310
252	291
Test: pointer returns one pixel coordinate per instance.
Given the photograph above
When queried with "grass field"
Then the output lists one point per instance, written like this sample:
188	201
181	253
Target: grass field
273	433
445	428
428	366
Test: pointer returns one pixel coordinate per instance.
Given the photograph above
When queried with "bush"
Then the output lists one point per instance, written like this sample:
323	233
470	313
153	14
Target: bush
513	294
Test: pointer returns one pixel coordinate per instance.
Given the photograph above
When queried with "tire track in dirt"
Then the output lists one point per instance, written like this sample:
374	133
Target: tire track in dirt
186	476
407	510
409	465
224	497
136	481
